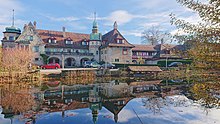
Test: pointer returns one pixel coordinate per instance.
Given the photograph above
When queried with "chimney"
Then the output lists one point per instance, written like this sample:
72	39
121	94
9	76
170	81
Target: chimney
35	24
115	25
25	25
64	32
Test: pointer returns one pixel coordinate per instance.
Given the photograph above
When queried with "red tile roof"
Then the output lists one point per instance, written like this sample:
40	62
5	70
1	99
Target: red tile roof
60	38
145	68
139	47
167	46
45	34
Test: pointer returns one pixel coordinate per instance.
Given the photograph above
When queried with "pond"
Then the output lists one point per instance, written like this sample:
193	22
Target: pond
107	102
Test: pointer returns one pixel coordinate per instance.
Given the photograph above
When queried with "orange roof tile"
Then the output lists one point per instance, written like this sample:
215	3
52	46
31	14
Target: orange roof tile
139	47
76	37
145	68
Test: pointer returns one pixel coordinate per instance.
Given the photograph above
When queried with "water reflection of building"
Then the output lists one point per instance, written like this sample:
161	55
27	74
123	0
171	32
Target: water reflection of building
114	89
144	88
112	95
95	103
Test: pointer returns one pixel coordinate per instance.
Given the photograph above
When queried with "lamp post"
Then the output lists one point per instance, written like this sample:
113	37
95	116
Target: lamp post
62	61
166	61
166	57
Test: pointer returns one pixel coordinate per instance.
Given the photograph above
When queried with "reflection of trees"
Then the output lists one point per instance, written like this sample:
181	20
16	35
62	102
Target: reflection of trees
17	100
154	104
79	77
205	93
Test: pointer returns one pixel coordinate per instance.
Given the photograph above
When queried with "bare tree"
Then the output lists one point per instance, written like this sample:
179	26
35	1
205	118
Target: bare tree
16	59
153	36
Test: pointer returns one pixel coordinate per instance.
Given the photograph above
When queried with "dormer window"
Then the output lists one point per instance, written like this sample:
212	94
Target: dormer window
69	42
49	40
52	40
84	43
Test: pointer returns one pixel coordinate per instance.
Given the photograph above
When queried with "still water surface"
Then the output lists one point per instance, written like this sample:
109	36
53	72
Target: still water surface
109	102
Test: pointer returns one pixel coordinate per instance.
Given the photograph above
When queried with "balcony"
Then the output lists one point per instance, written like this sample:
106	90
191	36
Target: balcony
69	53
143	57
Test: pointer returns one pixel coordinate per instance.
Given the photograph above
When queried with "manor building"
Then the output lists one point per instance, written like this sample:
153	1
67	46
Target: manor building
73	49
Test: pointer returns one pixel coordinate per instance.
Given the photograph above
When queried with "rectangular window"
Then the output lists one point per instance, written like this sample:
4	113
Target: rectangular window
36	49
37	59
134	53
124	51
84	43
116	60
54	41
31	38
49	40
150	54
69	42
97	52
11	38
105	51
120	41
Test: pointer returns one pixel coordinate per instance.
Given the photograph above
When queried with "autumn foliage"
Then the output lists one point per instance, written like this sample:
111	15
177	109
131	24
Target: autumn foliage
15	59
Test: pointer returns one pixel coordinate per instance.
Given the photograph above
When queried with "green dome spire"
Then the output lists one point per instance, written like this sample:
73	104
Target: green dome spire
95	24
12	29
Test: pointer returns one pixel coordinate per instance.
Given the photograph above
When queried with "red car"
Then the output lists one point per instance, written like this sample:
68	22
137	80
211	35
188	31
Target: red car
51	66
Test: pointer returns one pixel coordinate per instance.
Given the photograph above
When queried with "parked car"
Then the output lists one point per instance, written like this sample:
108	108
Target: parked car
51	66
91	64
108	65
175	64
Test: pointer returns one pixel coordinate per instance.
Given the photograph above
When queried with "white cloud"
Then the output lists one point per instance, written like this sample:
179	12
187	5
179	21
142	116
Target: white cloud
136	33
178	32
192	19
69	18
121	16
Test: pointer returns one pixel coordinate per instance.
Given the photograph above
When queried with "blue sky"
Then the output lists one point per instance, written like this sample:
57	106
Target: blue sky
133	16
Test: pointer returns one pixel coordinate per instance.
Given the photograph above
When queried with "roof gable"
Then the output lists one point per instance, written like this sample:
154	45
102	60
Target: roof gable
111	37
